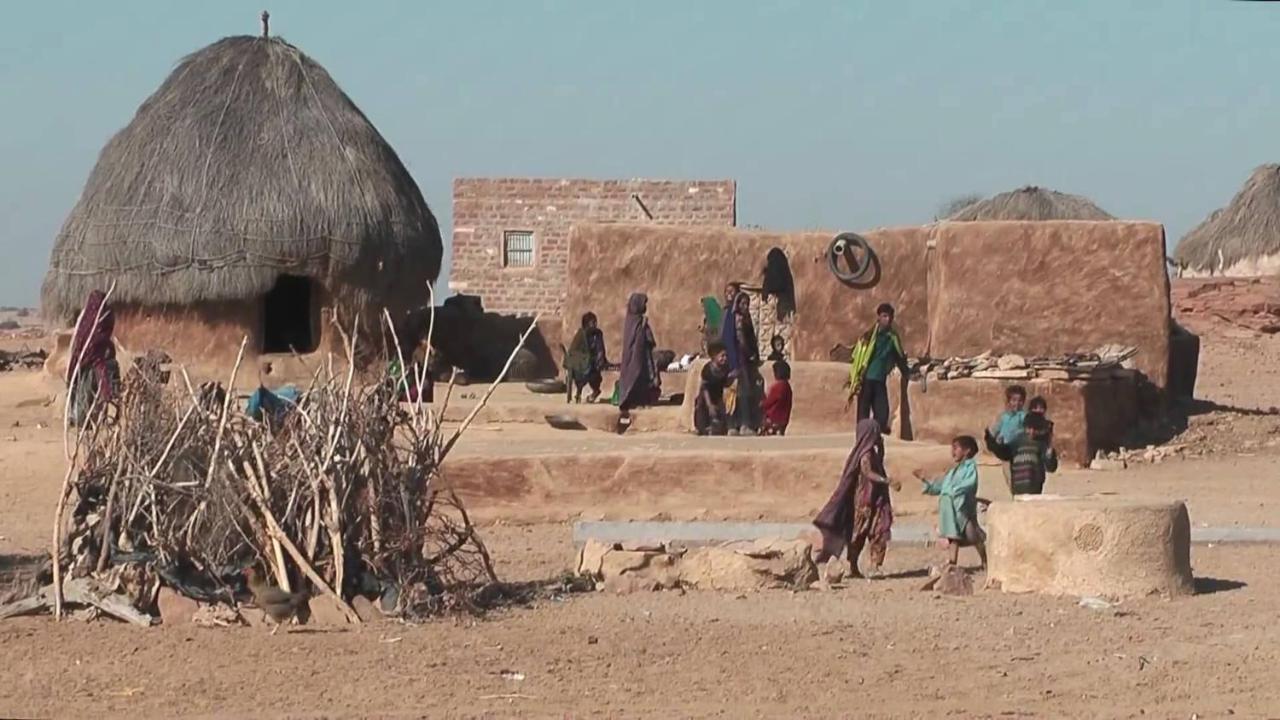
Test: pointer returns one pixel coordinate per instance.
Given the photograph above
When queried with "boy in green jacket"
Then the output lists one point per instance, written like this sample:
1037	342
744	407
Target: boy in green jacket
877	353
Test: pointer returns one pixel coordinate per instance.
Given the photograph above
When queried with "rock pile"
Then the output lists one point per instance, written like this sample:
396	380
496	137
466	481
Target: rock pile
1151	454
1109	361
1250	303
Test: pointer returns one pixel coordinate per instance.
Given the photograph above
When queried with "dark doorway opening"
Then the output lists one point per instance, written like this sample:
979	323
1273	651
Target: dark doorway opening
288	322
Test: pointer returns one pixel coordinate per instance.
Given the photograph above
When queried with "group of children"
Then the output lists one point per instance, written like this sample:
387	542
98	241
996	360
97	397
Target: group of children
714	408
1022	436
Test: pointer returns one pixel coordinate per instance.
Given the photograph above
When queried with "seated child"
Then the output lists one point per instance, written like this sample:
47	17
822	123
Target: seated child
1008	425
1029	457
957	493
710	417
777	403
1039	406
777	349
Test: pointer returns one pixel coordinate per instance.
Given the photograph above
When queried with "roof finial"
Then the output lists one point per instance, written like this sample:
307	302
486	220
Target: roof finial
266	18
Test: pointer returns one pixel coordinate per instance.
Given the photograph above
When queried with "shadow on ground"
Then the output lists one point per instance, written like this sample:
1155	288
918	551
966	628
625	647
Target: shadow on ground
1209	586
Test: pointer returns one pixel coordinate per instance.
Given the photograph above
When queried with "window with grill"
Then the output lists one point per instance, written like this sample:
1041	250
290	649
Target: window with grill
517	249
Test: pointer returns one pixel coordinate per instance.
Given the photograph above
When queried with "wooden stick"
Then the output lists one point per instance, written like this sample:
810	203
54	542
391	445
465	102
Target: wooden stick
431	334
278	567
274	529
104	542
488	393
56	551
80	592
403	381
226	407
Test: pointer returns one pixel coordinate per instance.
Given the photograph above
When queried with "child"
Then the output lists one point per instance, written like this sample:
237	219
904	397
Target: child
1029	457
875	355
1040	406
777	349
1008	425
777	403
957	493
710	417
585	360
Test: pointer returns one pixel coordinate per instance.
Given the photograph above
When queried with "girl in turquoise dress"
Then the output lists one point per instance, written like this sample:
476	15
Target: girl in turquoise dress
957	493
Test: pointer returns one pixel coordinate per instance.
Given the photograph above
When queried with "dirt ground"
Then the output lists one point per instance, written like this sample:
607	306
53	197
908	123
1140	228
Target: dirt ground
869	649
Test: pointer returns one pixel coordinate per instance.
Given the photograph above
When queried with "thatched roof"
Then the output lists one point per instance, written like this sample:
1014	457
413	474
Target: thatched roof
1032	203
247	163
1248	227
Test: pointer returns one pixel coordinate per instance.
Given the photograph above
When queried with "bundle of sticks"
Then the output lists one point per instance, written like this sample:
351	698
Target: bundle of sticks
342	494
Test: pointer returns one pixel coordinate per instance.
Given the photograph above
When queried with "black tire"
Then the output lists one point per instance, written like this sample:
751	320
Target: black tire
550	386
845	245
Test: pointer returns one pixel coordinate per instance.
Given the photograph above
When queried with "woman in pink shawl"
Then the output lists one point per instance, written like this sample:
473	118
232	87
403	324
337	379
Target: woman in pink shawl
859	511
638	381
92	361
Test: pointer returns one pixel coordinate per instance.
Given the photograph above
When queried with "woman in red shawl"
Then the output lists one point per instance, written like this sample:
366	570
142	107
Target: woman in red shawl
92	362
638	381
859	511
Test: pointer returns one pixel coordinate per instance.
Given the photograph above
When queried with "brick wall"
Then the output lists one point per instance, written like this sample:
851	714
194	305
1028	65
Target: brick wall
485	208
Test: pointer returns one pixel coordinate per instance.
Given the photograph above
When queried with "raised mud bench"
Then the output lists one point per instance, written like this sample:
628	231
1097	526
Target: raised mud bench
1104	546
1087	415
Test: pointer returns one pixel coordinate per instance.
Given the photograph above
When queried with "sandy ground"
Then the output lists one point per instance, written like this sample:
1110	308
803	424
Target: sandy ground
872	649
878	649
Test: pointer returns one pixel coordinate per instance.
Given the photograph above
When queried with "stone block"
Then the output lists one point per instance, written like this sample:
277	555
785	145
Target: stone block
755	565
1090	546
174	608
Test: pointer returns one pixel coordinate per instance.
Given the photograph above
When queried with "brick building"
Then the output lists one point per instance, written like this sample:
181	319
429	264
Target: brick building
511	235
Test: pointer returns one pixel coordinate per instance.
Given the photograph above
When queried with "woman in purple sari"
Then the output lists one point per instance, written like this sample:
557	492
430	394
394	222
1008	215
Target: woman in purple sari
859	512
92	371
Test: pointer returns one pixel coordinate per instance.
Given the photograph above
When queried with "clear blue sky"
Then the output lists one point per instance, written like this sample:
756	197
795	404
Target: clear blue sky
836	115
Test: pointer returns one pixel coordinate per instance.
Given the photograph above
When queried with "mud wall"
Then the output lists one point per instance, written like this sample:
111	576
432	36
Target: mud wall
197	334
1045	288
676	267
206	337
960	288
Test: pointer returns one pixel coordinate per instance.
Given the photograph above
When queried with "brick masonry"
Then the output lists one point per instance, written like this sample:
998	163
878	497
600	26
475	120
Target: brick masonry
485	208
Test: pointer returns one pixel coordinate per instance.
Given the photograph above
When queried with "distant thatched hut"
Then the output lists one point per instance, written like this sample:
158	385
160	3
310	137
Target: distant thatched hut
1032	203
1241	239
247	193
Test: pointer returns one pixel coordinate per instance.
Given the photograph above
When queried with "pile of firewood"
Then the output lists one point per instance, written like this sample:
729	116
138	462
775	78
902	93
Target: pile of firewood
341	494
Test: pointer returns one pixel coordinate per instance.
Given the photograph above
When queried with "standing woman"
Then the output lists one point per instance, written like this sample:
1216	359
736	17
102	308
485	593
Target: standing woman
859	511
744	359
92	372
638	382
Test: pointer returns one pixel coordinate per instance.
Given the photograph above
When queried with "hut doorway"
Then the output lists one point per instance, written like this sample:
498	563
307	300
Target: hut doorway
289	316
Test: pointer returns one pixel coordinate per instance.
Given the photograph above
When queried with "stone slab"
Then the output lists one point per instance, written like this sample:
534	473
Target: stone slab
709	532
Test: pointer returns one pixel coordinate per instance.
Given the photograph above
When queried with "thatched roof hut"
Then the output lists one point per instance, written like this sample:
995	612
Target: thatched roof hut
1032	203
1242	238
248	169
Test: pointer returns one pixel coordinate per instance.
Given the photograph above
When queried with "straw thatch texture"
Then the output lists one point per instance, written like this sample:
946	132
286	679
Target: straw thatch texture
1032	203
247	163
1248	228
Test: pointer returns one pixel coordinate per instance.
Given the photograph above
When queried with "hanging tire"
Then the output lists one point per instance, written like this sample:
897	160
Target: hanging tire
855	251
